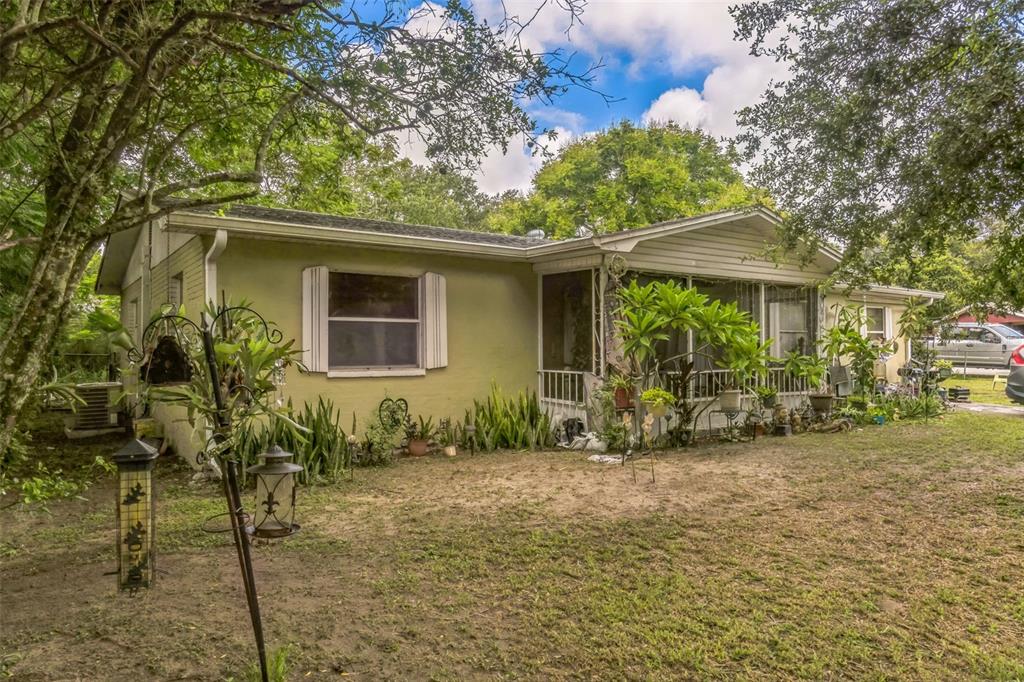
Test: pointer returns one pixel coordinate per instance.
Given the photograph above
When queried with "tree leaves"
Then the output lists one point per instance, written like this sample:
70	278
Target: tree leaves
898	133
628	177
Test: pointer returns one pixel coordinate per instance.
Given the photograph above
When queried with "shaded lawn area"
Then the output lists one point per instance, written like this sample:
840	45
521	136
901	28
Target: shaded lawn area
889	552
981	389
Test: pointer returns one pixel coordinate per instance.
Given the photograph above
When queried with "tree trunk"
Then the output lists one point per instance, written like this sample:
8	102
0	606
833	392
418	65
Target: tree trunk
32	333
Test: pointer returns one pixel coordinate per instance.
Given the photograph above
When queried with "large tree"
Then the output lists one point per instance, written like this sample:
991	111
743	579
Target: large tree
347	177
899	131
115	113
625	177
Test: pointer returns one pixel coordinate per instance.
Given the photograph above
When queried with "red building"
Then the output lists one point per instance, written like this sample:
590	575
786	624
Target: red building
1014	320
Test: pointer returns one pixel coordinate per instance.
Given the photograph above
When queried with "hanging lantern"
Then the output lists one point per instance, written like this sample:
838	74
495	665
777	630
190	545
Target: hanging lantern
275	494
136	520
167	365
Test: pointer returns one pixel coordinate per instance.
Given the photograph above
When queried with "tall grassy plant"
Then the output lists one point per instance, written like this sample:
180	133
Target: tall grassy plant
515	422
320	445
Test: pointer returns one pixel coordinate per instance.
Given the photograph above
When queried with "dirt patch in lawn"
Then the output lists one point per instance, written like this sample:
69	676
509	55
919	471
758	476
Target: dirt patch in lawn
891	552
567	485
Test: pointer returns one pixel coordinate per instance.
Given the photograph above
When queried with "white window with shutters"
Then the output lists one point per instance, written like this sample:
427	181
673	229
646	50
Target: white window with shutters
359	324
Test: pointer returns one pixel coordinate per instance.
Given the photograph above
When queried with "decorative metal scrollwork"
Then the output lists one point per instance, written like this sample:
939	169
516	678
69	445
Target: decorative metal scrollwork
392	412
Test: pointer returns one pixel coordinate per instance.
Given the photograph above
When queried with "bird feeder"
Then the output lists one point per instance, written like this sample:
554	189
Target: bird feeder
275	494
136	520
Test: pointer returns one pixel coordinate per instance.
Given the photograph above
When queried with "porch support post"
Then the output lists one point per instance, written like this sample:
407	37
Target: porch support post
763	315
540	336
689	332
600	332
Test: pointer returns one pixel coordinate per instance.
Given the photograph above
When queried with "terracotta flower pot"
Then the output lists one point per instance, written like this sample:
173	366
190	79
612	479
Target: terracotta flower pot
417	447
622	399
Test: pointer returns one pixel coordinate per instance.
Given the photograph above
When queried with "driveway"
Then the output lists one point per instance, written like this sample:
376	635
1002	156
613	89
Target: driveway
987	408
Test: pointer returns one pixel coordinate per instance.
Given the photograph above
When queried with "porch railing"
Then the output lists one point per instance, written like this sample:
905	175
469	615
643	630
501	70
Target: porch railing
561	387
566	387
709	383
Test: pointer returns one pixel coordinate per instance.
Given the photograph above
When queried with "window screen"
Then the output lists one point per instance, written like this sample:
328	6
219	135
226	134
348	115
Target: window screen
875	323
373	321
175	287
790	321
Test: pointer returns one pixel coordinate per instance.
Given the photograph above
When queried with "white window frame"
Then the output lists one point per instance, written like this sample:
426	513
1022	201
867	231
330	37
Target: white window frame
774	319
380	370
132	314
176	285
885	331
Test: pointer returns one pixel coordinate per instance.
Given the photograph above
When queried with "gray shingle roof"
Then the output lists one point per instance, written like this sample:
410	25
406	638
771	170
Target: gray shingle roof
287	215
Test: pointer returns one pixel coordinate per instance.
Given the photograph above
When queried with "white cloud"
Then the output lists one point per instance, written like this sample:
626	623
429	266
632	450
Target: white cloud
726	90
499	171
685	106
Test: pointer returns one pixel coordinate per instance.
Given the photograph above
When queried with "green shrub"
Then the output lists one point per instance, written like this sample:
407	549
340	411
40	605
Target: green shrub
514	422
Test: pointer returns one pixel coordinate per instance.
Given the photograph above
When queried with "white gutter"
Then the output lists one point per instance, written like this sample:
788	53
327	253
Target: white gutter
266	229
220	241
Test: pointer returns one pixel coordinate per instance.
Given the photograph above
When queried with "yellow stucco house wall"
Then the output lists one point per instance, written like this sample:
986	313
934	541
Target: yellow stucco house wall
491	315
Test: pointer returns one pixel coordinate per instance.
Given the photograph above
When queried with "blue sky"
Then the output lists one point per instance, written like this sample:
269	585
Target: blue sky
634	92
663	60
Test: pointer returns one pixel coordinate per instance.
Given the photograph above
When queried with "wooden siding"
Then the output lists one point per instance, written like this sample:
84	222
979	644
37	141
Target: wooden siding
131	294
728	251
188	260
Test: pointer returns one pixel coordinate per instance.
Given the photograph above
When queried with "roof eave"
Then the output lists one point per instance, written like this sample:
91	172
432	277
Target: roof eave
896	292
269	229
117	253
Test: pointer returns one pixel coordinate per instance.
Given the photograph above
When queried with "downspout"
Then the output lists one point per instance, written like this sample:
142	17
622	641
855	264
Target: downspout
220	241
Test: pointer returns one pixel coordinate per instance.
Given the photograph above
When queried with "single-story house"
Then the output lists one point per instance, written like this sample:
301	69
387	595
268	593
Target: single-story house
435	315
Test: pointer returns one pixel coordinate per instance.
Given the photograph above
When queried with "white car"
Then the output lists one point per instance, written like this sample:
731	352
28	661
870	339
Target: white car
978	344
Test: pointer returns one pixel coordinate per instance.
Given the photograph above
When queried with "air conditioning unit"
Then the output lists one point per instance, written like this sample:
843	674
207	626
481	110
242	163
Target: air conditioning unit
100	412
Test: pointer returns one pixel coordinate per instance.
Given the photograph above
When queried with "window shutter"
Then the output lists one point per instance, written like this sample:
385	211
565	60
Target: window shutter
314	318
435	321
887	323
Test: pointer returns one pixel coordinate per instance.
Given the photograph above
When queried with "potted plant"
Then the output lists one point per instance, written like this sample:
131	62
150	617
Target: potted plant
622	390
811	369
767	396
446	437
657	401
746	357
418	435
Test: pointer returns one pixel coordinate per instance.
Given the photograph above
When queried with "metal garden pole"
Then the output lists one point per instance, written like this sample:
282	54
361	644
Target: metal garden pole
233	496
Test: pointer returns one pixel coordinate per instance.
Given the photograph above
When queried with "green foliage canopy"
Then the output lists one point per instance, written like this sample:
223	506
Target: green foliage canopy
627	177
899	131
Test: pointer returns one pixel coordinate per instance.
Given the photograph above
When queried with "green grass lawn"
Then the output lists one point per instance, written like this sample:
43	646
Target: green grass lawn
981	389
889	552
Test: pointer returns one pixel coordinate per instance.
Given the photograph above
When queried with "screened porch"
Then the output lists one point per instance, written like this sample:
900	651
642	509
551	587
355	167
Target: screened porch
577	344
